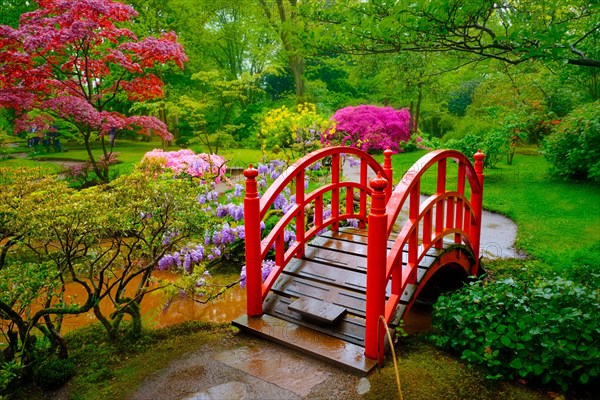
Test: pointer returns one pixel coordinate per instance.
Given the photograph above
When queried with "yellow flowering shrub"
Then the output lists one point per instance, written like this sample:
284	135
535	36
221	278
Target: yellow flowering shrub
296	132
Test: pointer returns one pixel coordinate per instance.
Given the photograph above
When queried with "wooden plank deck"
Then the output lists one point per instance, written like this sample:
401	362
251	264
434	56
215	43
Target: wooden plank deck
333	272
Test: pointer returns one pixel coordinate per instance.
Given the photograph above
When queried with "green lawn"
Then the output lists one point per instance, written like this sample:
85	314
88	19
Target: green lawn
129	153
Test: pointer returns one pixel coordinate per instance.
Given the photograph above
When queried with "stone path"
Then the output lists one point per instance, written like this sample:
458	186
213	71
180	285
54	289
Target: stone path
247	368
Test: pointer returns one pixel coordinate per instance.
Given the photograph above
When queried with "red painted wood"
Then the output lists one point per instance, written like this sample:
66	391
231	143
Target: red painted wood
335	193
376	282
460	188
439	211
477	204
363	195
444	214
389	172
300	215
349	201
252	234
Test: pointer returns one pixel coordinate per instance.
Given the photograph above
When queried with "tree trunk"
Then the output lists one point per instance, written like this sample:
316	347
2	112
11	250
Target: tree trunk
297	67
102	173
418	109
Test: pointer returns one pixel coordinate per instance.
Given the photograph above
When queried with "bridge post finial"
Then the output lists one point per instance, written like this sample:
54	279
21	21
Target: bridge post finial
477	204
253	250
376	270
389	172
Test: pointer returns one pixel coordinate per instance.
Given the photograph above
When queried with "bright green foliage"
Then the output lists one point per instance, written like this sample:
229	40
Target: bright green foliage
544	330
574	147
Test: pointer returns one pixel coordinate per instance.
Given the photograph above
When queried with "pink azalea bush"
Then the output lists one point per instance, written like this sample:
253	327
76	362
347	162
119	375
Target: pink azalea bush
369	128
186	162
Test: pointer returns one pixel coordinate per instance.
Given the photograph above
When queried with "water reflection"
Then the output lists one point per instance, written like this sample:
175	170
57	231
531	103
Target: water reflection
225	308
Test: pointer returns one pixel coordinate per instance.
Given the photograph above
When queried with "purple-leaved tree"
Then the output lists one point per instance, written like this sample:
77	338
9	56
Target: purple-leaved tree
69	60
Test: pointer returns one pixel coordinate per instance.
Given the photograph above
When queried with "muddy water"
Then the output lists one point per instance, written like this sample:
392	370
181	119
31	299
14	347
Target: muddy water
227	307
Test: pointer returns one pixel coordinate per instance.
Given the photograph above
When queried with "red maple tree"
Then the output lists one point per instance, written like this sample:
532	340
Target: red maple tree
70	60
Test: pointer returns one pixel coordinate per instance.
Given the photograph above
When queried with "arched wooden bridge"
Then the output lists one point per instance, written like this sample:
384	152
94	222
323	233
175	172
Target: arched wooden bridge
335	289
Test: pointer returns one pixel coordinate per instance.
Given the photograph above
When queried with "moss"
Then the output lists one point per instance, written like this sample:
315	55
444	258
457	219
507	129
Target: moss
115	370
429	373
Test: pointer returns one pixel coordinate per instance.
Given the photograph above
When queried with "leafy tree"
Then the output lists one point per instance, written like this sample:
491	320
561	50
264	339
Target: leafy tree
510	31
11	10
70	60
573	148
106	240
285	20
295	132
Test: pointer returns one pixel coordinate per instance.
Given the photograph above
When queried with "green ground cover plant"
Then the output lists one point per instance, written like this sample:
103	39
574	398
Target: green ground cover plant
542	330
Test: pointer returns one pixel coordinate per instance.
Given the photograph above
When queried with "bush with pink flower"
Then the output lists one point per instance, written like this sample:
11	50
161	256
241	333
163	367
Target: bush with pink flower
208	167
369	128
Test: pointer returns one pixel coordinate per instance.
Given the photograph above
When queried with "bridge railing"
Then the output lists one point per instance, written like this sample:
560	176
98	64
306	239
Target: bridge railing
256	209
446	213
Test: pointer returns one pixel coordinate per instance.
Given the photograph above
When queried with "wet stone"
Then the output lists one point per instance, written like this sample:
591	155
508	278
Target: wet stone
229	391
363	386
288	371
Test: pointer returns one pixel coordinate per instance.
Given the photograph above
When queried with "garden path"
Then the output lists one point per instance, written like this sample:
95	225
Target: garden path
246	367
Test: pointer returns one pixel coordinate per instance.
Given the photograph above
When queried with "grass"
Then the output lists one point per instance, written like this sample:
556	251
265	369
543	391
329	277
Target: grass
45	168
130	152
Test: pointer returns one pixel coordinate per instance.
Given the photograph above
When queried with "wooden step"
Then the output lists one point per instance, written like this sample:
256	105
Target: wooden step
317	310
341	353
327	274
350	328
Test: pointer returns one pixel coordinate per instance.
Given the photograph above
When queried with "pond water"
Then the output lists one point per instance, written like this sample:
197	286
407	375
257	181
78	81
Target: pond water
225	308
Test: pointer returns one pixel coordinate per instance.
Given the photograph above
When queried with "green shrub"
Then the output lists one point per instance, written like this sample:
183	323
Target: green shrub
573	149
53	373
494	145
543	330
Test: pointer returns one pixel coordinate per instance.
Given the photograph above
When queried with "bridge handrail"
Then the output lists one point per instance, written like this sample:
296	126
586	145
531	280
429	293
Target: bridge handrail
455	215
255	210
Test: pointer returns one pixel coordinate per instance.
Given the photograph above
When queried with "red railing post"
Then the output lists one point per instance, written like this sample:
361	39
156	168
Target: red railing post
376	265
300	216
335	193
477	204
389	172
252	232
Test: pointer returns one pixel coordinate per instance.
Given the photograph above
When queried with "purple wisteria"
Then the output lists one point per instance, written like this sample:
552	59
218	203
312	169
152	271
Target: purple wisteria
266	268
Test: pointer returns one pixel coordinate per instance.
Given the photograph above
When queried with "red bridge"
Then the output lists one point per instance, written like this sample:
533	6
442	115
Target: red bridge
335	290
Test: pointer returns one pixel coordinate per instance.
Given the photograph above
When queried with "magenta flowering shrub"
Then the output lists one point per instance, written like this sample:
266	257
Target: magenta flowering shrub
369	128
185	162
